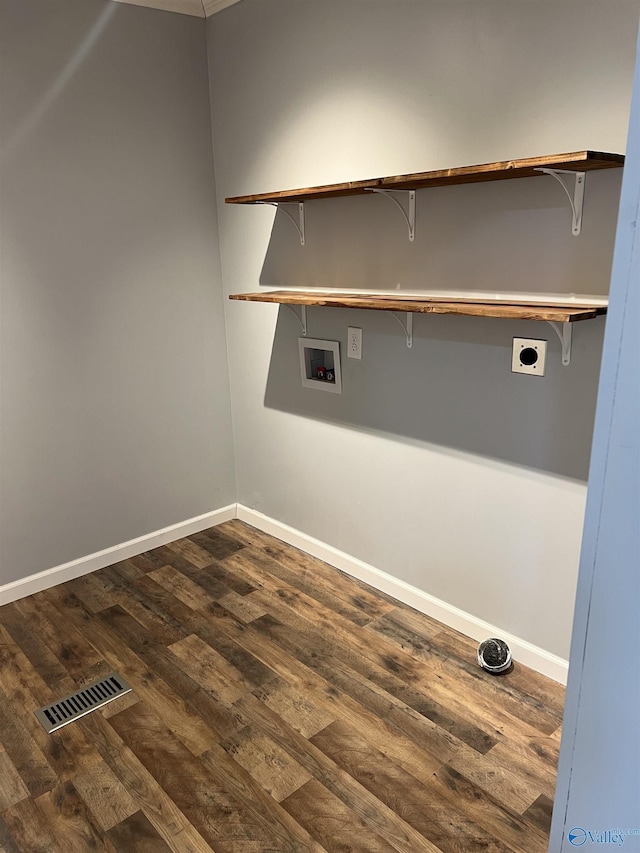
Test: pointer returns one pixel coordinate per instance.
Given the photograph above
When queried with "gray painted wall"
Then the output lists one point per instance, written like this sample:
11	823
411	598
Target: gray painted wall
437	465
115	415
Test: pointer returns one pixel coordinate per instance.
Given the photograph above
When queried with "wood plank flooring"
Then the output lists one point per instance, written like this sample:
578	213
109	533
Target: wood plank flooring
278	706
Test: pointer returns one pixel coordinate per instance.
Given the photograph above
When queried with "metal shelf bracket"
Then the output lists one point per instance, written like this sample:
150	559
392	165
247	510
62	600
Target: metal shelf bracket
299	224
409	214
301	317
408	328
563	331
576	198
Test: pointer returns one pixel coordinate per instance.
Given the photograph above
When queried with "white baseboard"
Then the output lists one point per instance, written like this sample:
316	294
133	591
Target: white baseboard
92	562
524	652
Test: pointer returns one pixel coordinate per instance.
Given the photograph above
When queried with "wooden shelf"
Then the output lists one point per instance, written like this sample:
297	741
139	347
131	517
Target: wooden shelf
554	312
582	161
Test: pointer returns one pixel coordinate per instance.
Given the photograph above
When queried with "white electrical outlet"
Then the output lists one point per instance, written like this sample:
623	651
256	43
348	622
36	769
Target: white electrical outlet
529	356
354	342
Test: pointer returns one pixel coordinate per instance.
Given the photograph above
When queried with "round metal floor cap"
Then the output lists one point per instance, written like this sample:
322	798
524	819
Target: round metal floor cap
494	655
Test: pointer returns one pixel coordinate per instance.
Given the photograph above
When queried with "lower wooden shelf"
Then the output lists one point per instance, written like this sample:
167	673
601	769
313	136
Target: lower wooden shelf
553	312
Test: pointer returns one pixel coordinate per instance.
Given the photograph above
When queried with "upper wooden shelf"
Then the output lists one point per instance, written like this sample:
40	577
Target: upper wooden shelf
426	305
582	161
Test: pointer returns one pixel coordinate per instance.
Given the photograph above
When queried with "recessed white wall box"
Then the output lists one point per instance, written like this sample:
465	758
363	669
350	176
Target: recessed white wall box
529	356
320	365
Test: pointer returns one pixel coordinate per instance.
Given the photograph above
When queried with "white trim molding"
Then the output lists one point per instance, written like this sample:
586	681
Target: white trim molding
213	6
195	8
523	652
91	563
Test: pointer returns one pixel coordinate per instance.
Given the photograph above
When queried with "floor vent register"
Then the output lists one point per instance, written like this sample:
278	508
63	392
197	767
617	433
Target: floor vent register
83	701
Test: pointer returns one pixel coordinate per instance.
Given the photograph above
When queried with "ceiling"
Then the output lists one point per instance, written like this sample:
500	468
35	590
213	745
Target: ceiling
197	8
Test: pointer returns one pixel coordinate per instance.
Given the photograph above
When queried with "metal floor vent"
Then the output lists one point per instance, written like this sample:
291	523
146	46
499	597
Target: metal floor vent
88	698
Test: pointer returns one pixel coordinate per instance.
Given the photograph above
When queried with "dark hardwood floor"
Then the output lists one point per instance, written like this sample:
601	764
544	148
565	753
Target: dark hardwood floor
277	706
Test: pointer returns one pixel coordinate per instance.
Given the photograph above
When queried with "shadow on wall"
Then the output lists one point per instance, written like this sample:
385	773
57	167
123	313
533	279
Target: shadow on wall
454	388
